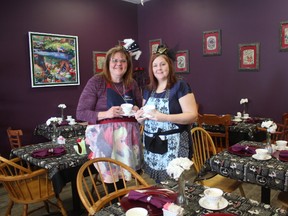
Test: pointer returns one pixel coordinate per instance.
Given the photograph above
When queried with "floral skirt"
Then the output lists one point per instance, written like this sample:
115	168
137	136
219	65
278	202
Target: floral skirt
119	141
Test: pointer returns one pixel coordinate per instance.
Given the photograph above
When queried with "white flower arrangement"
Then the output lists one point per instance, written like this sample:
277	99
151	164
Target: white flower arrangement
244	100
177	166
270	125
62	106
54	120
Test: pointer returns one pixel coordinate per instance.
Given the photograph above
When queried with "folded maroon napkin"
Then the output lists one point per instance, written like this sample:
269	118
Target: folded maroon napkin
242	148
153	199
48	152
283	154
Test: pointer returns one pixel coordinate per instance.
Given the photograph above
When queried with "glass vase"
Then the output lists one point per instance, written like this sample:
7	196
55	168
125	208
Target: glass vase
54	134
62	114
244	109
268	143
181	198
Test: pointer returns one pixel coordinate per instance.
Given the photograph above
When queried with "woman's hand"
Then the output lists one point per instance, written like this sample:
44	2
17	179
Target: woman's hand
113	112
139	116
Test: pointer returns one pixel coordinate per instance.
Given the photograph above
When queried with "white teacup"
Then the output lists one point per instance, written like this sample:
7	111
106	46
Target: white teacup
137	211
213	196
281	144
239	114
246	115
69	117
127	108
148	108
261	153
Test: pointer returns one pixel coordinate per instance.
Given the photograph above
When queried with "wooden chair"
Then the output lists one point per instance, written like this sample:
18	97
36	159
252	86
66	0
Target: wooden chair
14	137
204	148
285	123
99	197
220	139
279	134
25	186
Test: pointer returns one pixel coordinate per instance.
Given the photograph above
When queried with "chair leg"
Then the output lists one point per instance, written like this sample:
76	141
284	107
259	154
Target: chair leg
25	210
242	191
61	206
46	204
9	208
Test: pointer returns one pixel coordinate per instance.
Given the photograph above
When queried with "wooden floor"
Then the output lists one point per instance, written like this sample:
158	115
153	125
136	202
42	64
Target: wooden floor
251	191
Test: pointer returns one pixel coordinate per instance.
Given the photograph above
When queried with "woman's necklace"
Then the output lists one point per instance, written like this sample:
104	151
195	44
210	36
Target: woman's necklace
121	95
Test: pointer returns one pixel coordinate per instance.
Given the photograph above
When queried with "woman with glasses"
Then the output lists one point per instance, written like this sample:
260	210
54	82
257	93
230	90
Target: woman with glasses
110	132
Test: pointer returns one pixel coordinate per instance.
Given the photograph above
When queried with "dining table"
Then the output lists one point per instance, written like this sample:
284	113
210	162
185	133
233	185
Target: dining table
240	162
64	129
231	204
62	168
241	129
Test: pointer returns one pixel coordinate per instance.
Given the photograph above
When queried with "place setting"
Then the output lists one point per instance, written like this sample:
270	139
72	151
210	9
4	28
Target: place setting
280	150
242	150
213	199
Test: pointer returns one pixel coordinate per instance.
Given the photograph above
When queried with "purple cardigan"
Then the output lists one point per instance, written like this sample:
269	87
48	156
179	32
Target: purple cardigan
93	99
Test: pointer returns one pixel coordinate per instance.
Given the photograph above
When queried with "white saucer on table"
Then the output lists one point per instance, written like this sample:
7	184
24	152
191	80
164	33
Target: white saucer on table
255	156
237	120
245	117
72	123
204	203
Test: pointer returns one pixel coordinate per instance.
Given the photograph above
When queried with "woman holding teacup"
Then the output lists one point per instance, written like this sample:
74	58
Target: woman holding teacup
110	133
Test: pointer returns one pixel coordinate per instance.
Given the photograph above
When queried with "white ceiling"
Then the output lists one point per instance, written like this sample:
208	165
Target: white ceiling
136	1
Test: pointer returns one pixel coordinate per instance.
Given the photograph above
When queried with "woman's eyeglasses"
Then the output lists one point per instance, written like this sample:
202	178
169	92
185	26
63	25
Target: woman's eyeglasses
118	60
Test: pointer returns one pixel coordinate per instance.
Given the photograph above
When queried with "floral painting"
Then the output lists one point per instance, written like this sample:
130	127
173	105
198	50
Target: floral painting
53	60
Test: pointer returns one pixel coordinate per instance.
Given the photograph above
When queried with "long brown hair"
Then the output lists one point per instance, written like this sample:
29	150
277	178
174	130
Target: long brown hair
172	79
128	76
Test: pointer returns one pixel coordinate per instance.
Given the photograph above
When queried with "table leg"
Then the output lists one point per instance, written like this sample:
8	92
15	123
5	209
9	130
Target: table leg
75	196
265	195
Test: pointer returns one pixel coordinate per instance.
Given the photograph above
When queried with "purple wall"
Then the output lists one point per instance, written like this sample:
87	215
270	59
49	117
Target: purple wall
98	26
216	81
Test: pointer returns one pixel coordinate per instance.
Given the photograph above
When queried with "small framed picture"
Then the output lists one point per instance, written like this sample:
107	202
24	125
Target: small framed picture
249	57
182	61
153	45
98	61
284	36
212	43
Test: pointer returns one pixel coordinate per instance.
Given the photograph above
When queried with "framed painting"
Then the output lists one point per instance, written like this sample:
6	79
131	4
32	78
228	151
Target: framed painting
284	36
249	57
153	45
182	61
54	60
212	43
98	61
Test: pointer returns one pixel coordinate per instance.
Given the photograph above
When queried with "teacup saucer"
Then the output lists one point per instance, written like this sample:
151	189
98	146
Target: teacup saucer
256	156
204	203
72	123
132	113
237	120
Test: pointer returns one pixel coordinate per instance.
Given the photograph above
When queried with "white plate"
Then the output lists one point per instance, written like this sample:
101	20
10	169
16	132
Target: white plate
255	156
245	117
204	203
132	113
237	120
70	123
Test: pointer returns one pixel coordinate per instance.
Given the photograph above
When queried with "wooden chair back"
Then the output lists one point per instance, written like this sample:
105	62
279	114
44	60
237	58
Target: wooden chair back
220	139
15	137
203	147
25	186
280	133
95	195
